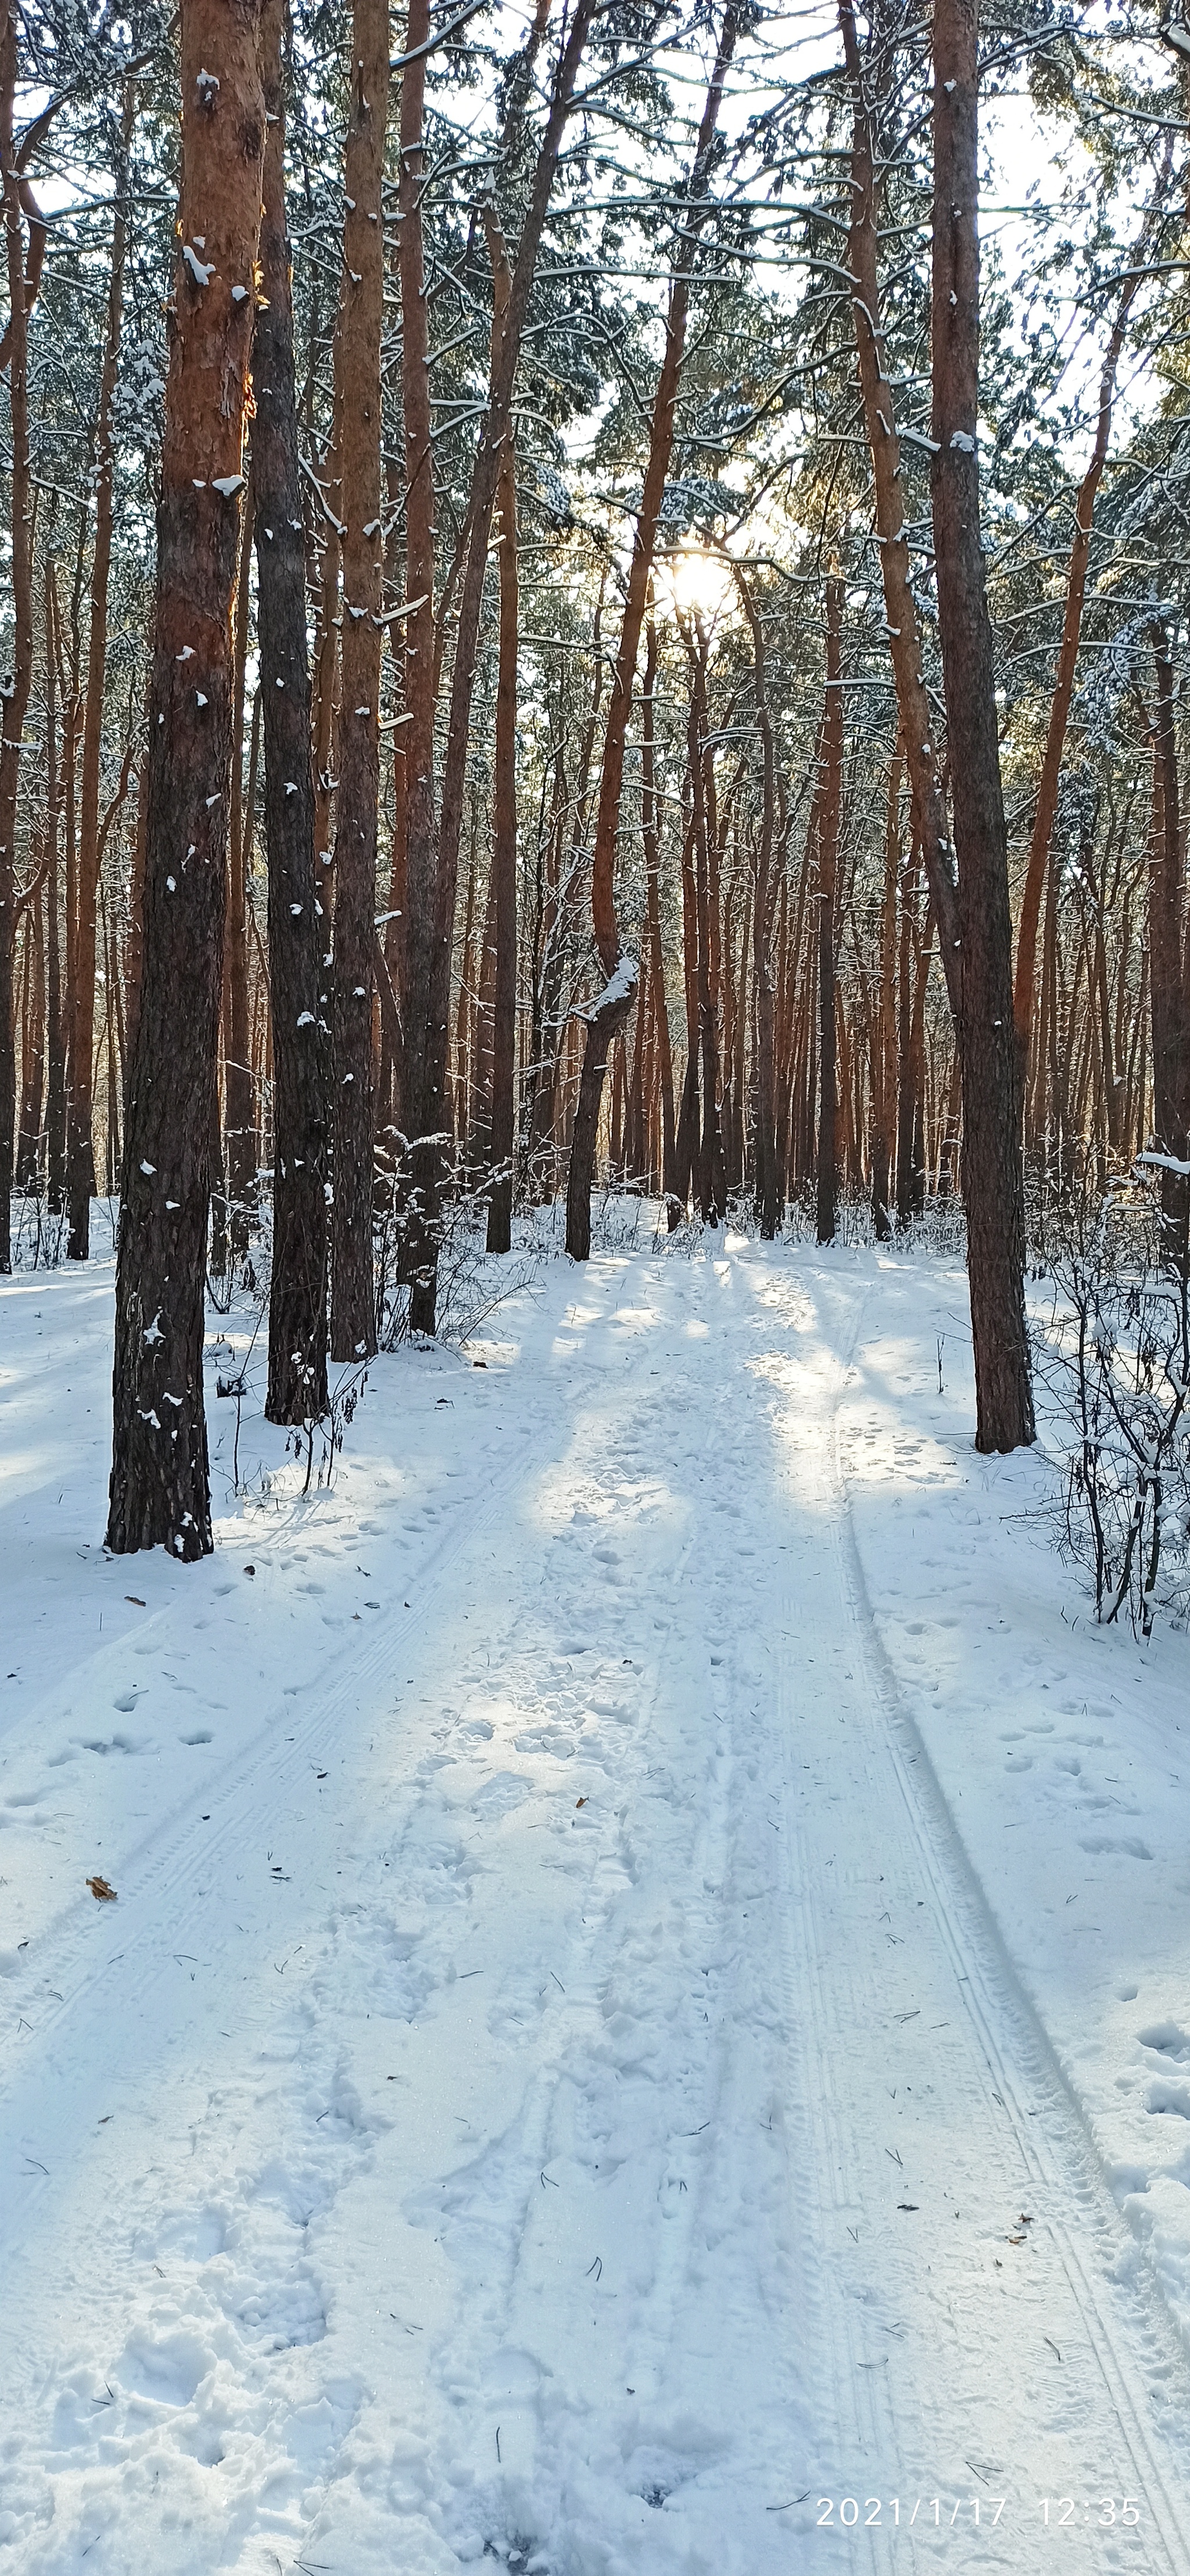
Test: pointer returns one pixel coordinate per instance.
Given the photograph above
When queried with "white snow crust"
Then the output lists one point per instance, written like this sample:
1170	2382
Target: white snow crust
649	1984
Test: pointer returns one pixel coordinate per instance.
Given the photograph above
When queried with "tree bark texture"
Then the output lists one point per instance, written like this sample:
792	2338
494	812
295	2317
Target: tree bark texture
160	1492
15	702
417	741
297	1390
652	850
884	1081
993	1189
353	1294
80	1108
239	1104
828	867
1165	914
55	1034
762	933
504	863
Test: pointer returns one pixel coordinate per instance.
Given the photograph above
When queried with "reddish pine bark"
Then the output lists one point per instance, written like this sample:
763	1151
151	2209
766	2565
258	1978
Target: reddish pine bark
239	1105
80	1107
160	1491
353	1296
1167	998
297	1389
993	1190
14	705
504	866
828	857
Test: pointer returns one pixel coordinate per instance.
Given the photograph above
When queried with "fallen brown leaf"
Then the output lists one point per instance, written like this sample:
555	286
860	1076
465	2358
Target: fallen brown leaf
580	1802
99	1888
135	1599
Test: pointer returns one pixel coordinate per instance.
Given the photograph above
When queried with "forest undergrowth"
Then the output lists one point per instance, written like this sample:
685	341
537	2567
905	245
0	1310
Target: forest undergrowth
1109	1312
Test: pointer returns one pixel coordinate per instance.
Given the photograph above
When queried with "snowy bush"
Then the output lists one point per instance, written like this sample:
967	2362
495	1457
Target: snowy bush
1112	1362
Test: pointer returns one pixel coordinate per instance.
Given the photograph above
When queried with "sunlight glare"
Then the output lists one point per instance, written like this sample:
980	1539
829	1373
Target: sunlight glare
693	582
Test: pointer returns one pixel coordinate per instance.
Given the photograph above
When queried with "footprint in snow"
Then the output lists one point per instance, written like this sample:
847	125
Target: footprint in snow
1164	2036
1165	2097
499	1796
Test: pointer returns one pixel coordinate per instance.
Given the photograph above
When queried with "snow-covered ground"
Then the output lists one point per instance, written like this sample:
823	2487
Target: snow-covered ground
670	2048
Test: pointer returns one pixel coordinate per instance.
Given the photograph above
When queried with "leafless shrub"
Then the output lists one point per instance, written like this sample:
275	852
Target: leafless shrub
1112	1364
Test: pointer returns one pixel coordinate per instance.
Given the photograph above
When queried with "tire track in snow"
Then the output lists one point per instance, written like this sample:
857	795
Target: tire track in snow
1017	2046
566	2102
1012	2093
654	2111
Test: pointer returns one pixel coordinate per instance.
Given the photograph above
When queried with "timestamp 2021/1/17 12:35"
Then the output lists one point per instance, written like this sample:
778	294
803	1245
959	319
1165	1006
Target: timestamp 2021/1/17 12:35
942	2513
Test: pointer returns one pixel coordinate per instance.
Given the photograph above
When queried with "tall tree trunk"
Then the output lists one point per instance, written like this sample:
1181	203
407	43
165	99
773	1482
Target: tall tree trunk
504	851
325	687
479	1136
353	1294
702	778
828	856
160	1488
136	915
420	828
717	824
464	1018
111	1047
548	889
1111	1088
635	1157
652	849
16	700
32	1042
56	1097
1170	1049
884	1087
297	1389
616	1121
906	1094
917	1067
1165	909
993	1188
952	1114
239	1106
736	1173
686	1148
80	1150
762	932
615	1002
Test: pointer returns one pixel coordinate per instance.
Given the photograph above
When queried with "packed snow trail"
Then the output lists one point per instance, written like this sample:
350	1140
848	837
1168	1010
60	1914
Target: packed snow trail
552	2089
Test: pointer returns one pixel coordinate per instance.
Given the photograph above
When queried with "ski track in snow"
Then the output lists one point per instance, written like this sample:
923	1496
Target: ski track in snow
589	2059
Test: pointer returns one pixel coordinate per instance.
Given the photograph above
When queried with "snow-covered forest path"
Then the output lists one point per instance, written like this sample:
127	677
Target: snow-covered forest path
553	2085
